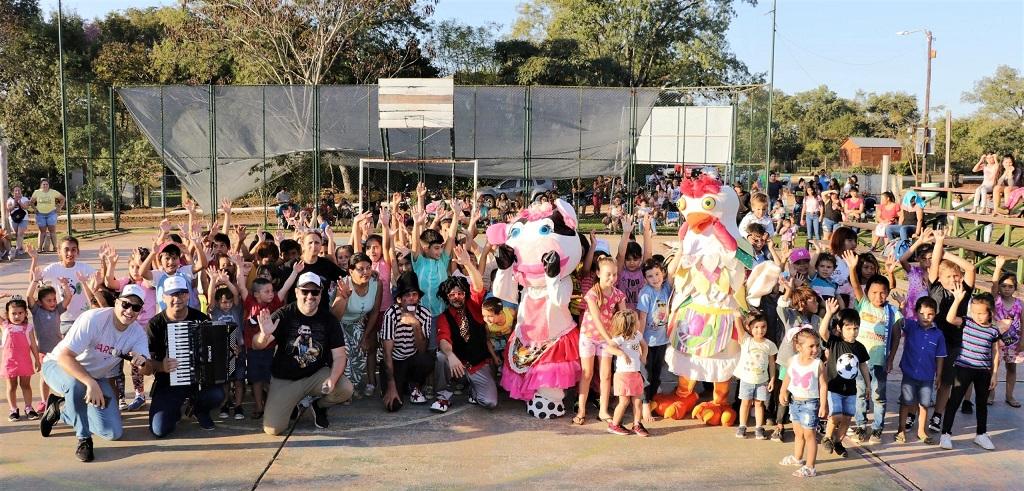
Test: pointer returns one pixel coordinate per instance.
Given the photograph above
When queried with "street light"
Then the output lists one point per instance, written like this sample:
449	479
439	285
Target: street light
927	91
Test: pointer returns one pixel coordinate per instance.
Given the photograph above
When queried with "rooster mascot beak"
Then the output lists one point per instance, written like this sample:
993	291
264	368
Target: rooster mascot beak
698	221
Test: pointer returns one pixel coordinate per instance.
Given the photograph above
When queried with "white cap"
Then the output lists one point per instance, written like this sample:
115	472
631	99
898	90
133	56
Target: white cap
175	284
309	278
602	246
133	289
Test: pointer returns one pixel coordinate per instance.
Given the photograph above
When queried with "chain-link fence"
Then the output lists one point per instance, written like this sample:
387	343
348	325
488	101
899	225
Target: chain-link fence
245	143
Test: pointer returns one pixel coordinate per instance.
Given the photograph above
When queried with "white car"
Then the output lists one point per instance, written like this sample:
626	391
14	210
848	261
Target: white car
512	187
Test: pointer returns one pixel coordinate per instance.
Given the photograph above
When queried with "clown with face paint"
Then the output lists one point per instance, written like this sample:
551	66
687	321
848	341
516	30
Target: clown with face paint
538	251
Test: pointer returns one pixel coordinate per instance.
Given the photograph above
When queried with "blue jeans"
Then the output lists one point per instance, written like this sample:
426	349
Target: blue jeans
87	419
878	380
902	231
165	407
813	227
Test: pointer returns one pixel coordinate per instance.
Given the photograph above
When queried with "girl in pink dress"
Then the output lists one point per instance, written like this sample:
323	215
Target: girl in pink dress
20	357
1010	308
603	300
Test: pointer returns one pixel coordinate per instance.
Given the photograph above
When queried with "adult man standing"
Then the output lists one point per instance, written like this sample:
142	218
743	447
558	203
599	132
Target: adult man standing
165	408
462	337
80	367
309	359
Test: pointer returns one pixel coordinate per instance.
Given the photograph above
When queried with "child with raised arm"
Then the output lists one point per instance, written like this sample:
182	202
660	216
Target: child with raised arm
846	359
977	363
46	312
224	307
630	257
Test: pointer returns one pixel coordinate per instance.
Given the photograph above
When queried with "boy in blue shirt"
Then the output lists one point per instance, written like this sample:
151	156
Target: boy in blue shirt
921	365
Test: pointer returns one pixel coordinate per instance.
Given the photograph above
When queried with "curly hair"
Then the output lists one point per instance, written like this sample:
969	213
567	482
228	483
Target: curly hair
450	284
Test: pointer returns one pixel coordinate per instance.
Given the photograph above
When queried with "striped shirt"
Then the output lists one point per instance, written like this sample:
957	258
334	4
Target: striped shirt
392	328
977	348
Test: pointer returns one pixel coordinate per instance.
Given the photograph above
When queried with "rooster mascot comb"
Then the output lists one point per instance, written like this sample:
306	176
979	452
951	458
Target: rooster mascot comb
711	291
539	251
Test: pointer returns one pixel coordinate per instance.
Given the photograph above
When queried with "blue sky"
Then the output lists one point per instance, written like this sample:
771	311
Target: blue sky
847	45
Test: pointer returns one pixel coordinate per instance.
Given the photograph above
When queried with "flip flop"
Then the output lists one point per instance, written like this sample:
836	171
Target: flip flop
1013	403
579	420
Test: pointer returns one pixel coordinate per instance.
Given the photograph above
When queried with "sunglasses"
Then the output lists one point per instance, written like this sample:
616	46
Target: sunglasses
133	306
310	293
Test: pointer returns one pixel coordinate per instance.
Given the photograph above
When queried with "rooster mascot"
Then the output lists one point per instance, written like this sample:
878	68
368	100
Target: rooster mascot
711	291
538	251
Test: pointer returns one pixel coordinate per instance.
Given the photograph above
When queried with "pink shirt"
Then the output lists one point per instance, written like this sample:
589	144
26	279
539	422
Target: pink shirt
383	270
606	308
149	303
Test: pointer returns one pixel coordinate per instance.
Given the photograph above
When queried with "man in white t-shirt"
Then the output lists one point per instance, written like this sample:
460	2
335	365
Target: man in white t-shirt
81	364
68	267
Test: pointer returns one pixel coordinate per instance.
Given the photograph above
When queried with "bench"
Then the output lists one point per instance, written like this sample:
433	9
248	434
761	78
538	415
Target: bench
868	227
977	247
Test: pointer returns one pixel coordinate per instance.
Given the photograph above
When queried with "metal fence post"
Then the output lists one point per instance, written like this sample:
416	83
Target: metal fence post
163	170
316	145
527	128
115	192
88	155
263	119
213	154
630	174
63	118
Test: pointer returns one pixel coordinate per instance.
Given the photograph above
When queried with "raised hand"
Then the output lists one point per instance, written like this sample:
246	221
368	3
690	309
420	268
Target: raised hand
851	260
344	291
891	264
225	205
31	250
190	206
627	224
831	306
246	268
899	298
959	292
421	191
461	256
267	325
240	233
298	267
165	226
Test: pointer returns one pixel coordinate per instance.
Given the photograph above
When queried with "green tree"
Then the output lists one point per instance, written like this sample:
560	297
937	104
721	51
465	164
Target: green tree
464	52
1001	95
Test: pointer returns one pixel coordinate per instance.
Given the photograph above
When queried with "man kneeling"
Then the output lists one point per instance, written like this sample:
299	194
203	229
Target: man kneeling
302	366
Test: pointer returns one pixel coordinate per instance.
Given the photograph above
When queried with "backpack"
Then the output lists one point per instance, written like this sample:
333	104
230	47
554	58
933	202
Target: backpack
896	248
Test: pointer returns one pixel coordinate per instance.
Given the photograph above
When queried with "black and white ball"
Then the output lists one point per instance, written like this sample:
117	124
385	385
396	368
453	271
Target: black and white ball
543	408
846	366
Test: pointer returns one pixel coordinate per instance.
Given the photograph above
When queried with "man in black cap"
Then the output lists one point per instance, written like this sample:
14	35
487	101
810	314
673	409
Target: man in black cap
309	359
404	332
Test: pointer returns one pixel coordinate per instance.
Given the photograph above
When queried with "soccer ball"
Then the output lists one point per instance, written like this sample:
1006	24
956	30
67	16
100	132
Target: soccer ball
541	407
846	366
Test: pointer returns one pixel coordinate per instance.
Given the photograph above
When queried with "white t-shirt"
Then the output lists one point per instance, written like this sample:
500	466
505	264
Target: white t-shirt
54	272
185	272
93	338
754	357
24	203
765	221
631	362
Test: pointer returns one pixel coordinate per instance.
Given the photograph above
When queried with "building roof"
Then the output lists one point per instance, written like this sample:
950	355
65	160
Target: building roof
865	142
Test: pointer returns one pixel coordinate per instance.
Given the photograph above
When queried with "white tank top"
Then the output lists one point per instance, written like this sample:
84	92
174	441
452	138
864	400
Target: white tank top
803	379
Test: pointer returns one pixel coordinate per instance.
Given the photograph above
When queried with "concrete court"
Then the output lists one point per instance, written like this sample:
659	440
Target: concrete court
470	447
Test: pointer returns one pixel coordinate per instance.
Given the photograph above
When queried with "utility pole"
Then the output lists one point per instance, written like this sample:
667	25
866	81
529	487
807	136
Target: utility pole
771	88
927	104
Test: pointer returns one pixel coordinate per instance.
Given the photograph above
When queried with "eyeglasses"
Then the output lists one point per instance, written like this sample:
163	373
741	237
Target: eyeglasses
128	305
309	293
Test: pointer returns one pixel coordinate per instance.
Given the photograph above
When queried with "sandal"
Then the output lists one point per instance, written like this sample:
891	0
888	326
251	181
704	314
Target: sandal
805	472
926	439
791	460
579	420
1012	403
901	437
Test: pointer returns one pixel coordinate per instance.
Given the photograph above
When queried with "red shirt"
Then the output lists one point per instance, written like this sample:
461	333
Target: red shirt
473	306
251	308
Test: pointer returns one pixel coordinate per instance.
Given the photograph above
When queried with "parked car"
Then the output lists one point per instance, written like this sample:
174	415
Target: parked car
512	187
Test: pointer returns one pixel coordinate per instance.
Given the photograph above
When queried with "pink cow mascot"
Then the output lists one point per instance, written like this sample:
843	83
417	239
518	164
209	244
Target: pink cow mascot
539	251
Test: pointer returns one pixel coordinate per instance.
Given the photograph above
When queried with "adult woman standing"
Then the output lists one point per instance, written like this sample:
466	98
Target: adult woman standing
47	201
357	304
17	213
810	216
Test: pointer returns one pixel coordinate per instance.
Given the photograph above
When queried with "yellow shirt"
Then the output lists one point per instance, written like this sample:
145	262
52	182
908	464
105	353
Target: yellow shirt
505	329
45	201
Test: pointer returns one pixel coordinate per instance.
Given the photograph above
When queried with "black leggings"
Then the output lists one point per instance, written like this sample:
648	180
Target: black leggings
655	362
413	369
980	377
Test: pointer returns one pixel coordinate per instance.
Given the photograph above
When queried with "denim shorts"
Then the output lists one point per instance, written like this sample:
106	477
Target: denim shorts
47	219
804	412
828	225
840	405
753	391
916	392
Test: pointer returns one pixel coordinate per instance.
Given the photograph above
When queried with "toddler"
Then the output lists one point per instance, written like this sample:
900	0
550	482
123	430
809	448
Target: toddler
629	259
756	371
46	312
20	357
787	232
915	262
630	352
805	380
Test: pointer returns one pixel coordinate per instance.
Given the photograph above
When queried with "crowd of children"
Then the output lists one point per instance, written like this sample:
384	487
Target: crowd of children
818	354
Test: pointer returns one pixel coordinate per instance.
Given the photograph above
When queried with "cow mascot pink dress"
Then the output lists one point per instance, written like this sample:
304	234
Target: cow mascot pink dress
539	251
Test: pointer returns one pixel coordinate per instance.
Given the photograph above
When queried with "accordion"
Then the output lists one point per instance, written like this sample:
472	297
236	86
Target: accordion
201	349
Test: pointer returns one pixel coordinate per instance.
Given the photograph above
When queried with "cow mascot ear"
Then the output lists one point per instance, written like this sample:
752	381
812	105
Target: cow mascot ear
568	213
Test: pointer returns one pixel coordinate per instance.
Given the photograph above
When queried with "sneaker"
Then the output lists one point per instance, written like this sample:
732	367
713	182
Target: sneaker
320	416
911	419
759	434
741	432
946	441
822	425
471	400
51	415
417	397
639	430
224	412
40	407
935	424
369	390
984	441
205	421
863	435
967	407
31	414
122	405
137	403
428	391
84	452
14	416
777	435
852	431
440	405
876	436
237	412
828	445
839	449
617	429
257	415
